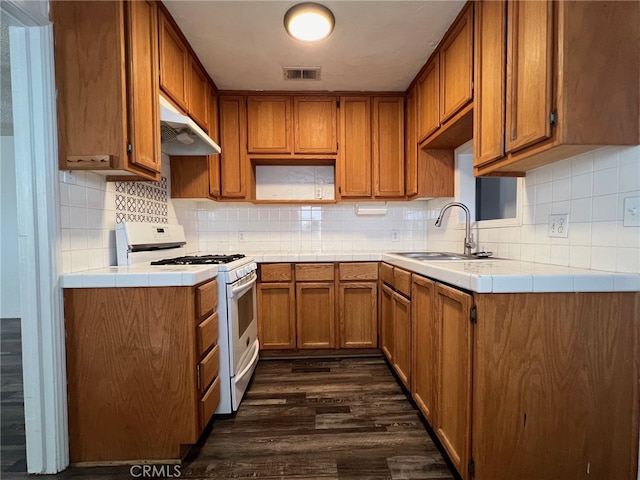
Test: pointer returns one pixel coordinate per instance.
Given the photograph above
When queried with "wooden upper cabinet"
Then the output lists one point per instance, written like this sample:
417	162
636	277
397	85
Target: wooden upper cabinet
142	55
315	124
388	147
490	69
198	94
269	124
411	144
429	99
214	160
233	146
175	63
107	101
557	101
355	147
456	66
529	73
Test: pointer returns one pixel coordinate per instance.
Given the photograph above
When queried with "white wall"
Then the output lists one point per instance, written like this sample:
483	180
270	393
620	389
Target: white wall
90	207
9	281
591	188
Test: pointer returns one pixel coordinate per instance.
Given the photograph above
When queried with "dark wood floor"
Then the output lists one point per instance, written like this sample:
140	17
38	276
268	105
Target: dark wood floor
305	419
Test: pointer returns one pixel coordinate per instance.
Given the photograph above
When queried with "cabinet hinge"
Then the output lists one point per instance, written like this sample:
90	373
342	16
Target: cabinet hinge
337	103
129	149
473	314
340	190
198	375
553	118
471	467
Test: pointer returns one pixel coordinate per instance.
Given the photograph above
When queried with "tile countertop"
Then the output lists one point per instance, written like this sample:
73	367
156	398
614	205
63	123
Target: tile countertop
140	276
514	276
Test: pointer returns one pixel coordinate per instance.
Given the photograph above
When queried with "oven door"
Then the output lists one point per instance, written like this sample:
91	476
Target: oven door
243	325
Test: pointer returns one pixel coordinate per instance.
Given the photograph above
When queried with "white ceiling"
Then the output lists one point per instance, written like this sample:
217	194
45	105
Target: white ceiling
376	45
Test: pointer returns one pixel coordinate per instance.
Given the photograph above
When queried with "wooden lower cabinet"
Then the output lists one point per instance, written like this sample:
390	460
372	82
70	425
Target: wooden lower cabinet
358	307
276	316
315	314
454	339
386	322
555	386
402	338
142	371
529	386
424	373
395	320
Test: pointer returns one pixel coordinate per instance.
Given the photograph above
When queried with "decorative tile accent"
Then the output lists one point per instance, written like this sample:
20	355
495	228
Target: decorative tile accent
141	201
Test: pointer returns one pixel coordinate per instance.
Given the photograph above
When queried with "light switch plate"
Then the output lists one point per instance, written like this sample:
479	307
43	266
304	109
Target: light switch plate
631	215
559	225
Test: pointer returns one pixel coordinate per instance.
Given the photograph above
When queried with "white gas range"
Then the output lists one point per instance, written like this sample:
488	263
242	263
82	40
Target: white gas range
163	244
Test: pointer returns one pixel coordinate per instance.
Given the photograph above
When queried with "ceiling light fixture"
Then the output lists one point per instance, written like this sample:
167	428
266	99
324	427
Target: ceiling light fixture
309	22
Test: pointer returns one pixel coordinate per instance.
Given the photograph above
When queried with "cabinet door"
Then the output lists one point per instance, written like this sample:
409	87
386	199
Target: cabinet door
142	74
315	124
358	314
429	99
198	95
269	124
411	144
315	315
386	322
456	67
174	63
355	147
276	316
232	144
424	375
402	338
453	425
388	147
529	73
214	160
490	67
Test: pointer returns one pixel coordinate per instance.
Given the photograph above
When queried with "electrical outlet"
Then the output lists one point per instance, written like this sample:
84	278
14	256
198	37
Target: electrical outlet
241	237
395	236
559	225
631	215
319	193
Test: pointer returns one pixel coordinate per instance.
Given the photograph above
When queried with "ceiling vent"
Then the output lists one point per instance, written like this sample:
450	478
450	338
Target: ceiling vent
301	73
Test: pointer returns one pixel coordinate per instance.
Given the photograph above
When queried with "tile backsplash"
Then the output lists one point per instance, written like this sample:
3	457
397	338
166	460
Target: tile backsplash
90	207
242	227
591	188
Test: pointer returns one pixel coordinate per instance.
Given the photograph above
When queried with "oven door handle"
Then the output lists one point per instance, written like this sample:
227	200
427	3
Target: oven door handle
239	290
254	357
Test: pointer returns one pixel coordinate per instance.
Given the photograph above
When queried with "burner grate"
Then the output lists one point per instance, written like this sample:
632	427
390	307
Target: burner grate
199	260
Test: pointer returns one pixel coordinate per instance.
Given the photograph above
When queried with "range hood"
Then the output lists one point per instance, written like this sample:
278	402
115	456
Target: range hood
181	135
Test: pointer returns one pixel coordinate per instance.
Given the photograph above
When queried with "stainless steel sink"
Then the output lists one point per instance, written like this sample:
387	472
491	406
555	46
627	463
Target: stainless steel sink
433	256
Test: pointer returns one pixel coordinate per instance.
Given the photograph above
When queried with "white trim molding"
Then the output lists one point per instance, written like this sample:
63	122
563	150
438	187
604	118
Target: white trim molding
43	355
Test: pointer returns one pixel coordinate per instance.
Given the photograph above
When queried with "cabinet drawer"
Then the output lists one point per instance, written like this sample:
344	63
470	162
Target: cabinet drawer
314	272
275	272
206	298
386	273
208	368
207	334
358	271
209	403
402	281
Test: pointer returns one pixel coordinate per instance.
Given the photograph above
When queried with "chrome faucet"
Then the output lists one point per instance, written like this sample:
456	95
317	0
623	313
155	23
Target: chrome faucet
468	236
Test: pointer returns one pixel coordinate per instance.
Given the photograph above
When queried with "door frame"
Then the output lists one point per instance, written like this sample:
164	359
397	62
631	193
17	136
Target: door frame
37	192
